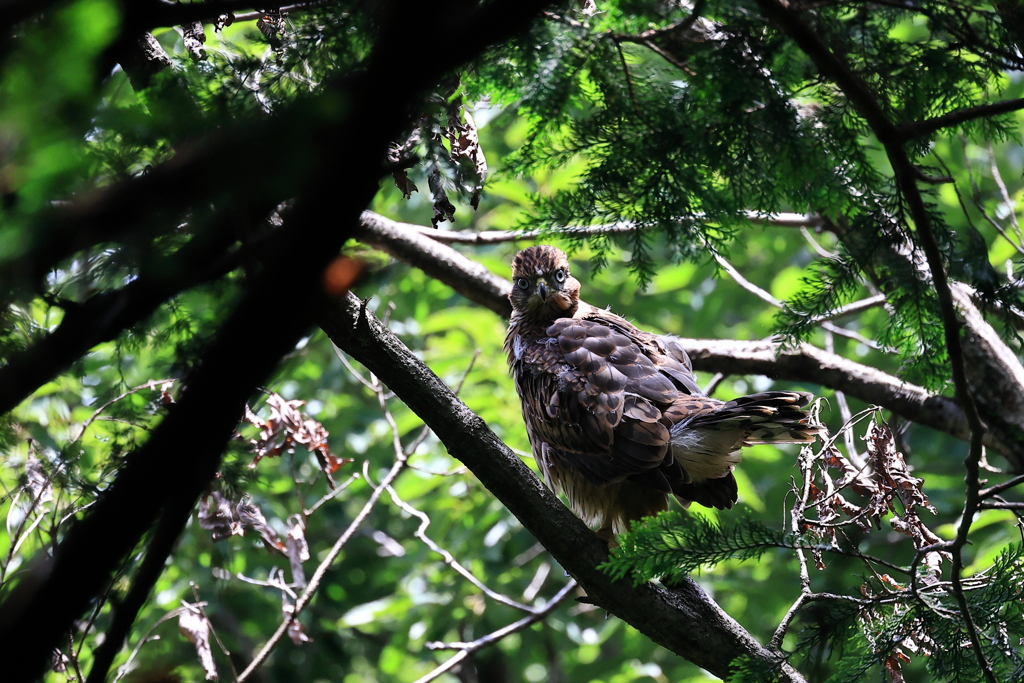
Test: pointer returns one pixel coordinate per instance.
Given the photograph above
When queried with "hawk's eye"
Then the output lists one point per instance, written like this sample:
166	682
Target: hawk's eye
522	283
560	275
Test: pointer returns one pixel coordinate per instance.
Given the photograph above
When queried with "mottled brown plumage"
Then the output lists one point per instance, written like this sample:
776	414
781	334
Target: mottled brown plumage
615	419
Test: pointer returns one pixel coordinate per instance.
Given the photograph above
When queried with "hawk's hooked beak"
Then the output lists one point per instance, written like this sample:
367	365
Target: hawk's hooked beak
542	291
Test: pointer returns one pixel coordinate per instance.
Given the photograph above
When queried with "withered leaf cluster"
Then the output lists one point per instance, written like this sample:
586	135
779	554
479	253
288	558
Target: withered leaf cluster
287	427
448	142
464	139
272	26
861	497
226	518
885	484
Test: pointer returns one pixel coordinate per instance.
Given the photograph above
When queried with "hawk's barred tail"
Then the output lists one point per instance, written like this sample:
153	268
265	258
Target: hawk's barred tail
707	444
768	417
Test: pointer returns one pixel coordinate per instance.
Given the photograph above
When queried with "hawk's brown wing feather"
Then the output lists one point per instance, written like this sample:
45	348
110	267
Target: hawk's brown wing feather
598	394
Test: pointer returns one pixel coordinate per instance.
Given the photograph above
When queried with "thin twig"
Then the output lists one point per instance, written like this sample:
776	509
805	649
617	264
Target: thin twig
999	488
411	448
174	613
746	284
854	307
821	320
420	533
466	649
73	656
796	519
784	220
815	245
271	582
979	204
151	384
855	336
680	26
920	129
18	537
920	555
401	458
648	38
331	494
1007	199
352	371
527	555
449	559
629	80
714	383
202	610
321	570
298	7
844	412
1001	505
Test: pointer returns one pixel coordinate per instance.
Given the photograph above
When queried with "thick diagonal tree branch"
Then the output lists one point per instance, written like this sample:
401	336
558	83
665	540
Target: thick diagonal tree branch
802	364
684	620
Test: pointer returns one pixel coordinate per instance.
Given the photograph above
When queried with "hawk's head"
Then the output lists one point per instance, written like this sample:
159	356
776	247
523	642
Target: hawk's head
541	284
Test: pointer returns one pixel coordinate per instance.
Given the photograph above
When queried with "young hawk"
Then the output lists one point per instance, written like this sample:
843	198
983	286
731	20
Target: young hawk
615	418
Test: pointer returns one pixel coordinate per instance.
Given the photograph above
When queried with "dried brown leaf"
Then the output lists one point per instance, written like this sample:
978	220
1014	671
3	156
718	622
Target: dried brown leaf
38	483
194	625
402	157
404	184
819	562
271	25
59	661
891	471
226	518
222	21
851	476
252	517
288	426
891	582
218	515
466	152
297	550
444	210
894	668
295	631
